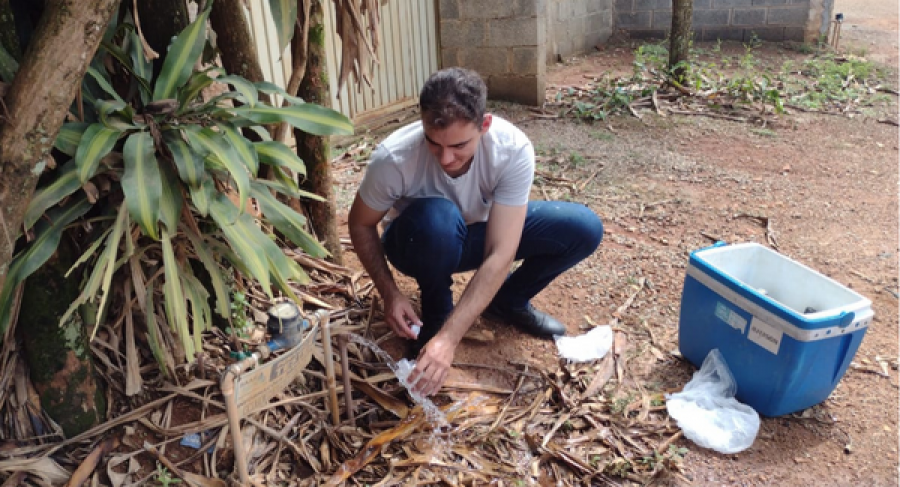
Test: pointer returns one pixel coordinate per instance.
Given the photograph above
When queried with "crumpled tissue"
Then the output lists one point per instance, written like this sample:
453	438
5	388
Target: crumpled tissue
592	345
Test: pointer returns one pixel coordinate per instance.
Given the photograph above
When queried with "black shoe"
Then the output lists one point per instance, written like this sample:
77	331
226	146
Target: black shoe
529	320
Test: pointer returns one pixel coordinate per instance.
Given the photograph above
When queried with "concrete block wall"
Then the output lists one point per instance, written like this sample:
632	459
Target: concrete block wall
740	20
505	42
577	26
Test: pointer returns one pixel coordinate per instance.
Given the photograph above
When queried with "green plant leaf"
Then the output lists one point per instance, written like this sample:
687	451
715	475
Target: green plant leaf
284	14
243	147
214	270
102	269
108	261
142	183
202	195
279	155
197	298
103	83
263	134
270	88
69	137
64	184
173	295
249	94
154	336
183	53
188	161
308	117
287	221
141	68
171	199
238	230
218	146
115	114
97	141
286	186
47	236
198	81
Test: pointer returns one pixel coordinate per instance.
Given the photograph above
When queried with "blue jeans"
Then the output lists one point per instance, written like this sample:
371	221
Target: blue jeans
430	242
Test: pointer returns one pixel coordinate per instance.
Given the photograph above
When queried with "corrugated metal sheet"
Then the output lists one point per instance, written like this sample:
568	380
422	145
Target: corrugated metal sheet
408	55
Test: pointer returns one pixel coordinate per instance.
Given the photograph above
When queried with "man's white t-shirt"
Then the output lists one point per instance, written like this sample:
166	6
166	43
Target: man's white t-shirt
403	169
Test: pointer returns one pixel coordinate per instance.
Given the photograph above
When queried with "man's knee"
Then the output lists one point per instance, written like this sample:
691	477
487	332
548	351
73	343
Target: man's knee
428	235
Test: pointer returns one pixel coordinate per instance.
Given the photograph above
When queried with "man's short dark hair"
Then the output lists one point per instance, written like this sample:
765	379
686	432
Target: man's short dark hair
451	95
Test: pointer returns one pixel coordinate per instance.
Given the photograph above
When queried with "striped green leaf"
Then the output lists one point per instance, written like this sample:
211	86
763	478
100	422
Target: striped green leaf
287	221
270	88
198	81
103	267
47	236
249	94
214	270
218	146
284	14
197	298
239	233
115	114
141	68
286	186
308	117
188	161
69	137
97	141
183	53
243	147
171	200
279	155
261	131
64	184
109	262
129	63
281	268
173	296
202	195
103	83
154	335
142	183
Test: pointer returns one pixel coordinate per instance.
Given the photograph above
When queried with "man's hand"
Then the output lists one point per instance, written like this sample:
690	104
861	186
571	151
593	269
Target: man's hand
433	364
400	315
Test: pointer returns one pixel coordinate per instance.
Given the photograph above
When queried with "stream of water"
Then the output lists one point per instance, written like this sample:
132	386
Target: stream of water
402	369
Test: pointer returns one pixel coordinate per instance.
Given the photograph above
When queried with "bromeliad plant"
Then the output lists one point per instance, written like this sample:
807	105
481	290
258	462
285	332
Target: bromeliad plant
155	175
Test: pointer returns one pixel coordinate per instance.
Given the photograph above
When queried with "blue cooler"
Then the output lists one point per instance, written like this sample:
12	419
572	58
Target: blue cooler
786	332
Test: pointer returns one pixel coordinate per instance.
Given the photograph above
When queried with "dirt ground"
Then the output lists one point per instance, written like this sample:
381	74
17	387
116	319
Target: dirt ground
665	186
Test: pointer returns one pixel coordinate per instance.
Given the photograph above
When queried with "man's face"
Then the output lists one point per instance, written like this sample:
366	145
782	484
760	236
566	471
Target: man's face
454	146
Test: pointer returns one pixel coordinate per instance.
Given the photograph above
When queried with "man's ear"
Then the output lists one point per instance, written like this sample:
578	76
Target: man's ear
486	124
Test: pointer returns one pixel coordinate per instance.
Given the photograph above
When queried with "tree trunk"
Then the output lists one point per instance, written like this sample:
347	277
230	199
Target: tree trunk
680	42
59	354
233	38
315	150
161	20
54	63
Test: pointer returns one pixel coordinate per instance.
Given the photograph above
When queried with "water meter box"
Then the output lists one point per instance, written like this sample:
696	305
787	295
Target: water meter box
786	332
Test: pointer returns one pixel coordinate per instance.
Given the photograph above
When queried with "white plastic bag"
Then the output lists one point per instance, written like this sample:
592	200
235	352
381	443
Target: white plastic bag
708	413
592	345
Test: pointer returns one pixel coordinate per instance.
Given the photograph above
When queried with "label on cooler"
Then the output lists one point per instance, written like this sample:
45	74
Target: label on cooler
765	335
729	316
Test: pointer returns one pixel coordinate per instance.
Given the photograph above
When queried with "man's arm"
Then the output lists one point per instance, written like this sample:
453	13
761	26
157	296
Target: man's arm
363	225
504	230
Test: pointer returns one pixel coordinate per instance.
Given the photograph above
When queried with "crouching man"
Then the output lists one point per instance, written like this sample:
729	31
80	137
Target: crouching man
452	190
